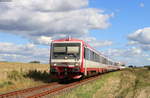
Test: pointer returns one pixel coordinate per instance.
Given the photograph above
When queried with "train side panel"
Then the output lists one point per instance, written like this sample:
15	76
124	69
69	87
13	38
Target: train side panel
92	67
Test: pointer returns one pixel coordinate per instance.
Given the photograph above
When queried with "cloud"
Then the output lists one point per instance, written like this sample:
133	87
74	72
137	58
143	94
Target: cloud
44	40
50	5
34	19
133	55
145	47
24	53
130	52
140	38
96	43
101	43
141	5
132	42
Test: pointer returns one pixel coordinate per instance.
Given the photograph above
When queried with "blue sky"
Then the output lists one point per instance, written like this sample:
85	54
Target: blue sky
118	28
128	17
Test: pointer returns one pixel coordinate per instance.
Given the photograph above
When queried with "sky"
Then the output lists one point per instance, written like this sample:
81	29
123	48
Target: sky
119	29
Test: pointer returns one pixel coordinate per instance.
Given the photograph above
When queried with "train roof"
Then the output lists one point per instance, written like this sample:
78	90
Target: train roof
67	39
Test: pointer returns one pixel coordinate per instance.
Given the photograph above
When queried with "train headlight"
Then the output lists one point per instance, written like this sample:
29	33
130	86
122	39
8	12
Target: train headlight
76	64
54	64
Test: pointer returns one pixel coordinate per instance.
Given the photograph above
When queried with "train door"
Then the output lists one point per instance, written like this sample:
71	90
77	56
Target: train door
85	60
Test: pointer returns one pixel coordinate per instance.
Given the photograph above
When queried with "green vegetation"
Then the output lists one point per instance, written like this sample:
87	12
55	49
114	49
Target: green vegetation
6	83
129	83
35	62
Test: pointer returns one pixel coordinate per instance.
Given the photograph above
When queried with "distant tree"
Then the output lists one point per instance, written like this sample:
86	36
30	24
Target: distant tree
130	66
35	62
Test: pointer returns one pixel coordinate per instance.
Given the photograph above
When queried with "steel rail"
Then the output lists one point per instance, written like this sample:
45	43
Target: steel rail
26	90
71	85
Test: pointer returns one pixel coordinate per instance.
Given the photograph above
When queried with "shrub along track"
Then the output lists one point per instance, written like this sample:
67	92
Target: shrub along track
44	90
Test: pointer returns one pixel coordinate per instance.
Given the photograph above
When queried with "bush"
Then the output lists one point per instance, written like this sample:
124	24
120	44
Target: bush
38	75
131	66
35	62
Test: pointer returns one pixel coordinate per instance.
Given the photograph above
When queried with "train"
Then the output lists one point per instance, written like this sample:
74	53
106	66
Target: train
72	58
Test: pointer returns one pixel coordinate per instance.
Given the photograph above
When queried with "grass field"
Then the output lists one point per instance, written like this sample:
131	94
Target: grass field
129	83
14	76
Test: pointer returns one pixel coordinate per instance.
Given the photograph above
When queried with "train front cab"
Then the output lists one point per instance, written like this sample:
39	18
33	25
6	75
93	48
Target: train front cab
66	59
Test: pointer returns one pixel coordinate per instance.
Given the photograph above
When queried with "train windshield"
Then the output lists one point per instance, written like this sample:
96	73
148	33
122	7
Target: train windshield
66	51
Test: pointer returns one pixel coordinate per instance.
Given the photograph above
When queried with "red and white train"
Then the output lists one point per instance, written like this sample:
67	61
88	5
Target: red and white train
73	59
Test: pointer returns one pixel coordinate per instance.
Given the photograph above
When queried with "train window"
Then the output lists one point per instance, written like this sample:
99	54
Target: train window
110	63
100	59
86	53
92	56
66	50
60	49
104	61
97	58
72	49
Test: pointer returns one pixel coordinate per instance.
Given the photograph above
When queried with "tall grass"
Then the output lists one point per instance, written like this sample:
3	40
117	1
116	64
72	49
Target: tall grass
15	76
7	67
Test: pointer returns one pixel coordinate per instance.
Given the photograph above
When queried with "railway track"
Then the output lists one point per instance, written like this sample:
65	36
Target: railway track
45	90
25	91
